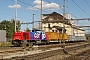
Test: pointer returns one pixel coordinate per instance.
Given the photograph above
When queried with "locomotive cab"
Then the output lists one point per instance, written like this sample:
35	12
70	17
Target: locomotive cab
19	37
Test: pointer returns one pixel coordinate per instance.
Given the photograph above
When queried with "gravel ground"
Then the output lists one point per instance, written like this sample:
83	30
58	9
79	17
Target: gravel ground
63	56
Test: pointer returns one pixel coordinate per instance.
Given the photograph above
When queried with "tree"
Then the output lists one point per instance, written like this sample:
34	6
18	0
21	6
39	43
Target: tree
18	25
9	26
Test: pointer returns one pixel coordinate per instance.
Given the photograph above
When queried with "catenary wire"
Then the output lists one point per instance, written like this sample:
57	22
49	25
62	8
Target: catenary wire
81	8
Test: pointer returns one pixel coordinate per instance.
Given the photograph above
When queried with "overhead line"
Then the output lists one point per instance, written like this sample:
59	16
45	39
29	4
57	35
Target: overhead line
81	19
23	6
36	7
65	10
81	8
72	14
31	5
23	3
87	3
58	20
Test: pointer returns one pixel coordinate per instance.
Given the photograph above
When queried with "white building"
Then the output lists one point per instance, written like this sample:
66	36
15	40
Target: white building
52	22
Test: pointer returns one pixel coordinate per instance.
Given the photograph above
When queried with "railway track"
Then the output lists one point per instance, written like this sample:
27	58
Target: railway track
69	52
40	47
48	53
85	55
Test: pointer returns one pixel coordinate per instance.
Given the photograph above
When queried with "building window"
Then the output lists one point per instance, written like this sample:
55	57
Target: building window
48	25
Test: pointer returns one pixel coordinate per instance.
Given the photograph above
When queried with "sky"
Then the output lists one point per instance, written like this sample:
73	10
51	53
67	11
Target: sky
26	9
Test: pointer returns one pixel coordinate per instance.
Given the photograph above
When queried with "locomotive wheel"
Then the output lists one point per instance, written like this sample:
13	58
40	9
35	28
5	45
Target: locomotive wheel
16	43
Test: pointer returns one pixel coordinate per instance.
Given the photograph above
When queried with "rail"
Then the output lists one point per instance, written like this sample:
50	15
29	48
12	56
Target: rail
48	53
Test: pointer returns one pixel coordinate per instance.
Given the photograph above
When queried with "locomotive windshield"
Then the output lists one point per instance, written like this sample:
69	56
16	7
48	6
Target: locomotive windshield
39	31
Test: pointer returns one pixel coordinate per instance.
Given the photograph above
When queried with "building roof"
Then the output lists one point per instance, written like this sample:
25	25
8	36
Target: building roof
55	17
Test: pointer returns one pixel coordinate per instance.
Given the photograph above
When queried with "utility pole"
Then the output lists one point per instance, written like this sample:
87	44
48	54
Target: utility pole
33	22
63	19
27	25
15	13
63	28
40	23
63	9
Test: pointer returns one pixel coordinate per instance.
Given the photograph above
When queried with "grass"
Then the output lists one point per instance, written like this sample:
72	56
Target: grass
88	41
5	44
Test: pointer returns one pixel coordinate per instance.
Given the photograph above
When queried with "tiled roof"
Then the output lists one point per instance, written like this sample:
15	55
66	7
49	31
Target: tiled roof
56	16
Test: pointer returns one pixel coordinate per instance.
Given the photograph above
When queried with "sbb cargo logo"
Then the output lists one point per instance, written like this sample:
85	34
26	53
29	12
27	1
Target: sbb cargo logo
36	35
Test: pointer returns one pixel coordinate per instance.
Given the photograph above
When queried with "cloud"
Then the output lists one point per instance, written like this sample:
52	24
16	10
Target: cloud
38	2
14	6
45	5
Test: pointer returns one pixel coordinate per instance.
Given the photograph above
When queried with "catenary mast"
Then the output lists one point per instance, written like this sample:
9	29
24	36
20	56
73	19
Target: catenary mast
40	23
15	13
